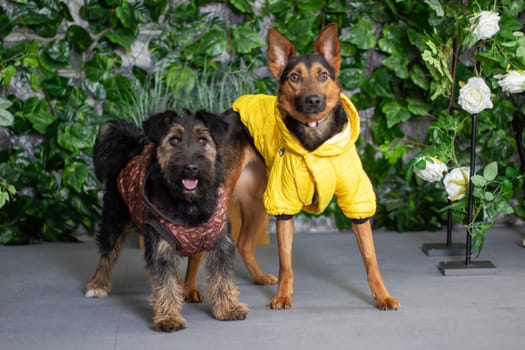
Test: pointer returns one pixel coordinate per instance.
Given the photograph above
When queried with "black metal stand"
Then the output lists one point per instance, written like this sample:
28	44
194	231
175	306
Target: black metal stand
444	249
469	267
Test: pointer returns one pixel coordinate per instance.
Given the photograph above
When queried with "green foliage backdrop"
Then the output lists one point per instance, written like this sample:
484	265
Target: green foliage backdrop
401	60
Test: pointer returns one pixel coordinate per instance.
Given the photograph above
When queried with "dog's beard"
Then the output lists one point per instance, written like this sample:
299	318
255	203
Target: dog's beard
190	188
193	200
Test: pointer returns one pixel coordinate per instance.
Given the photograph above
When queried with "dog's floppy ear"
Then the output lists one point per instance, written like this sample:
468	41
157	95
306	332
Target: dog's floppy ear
218	126
280	49
156	125
327	45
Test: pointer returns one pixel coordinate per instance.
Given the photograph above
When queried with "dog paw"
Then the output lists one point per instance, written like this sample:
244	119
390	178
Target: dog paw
168	324
265	279
193	296
96	293
234	313
280	303
388	303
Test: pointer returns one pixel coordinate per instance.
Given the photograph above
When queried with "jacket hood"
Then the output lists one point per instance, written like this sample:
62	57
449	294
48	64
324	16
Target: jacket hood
337	144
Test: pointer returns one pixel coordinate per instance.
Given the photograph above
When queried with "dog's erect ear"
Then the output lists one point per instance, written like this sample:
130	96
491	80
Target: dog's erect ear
218	126
327	45
157	125
279	52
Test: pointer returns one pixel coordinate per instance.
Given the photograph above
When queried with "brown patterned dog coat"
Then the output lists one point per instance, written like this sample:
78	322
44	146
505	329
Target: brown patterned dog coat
186	239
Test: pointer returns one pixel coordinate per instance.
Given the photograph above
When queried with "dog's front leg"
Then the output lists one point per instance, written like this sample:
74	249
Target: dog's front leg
222	292
365	241
162	263
285	232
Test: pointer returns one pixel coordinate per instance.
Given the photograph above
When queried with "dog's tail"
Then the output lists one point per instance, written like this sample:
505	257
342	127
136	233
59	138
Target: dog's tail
117	142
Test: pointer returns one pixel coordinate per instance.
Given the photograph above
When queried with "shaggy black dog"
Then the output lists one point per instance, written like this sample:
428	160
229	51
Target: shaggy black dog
167	180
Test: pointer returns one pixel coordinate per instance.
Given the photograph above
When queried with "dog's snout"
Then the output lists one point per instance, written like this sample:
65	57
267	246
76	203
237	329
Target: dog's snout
191	170
313	101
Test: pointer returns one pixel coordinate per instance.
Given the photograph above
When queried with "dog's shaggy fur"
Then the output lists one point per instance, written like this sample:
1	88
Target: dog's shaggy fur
183	178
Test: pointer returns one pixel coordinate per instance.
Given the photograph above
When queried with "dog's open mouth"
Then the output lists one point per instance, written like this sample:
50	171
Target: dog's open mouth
190	184
315	124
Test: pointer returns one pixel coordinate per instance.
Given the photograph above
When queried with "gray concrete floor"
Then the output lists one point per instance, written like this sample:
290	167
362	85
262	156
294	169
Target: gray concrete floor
42	304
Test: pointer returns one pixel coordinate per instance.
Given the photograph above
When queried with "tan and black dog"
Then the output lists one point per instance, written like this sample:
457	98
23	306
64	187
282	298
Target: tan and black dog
167	178
300	151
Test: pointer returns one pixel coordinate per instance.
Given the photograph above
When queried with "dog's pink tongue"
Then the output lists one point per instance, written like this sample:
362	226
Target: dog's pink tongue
190	184
312	124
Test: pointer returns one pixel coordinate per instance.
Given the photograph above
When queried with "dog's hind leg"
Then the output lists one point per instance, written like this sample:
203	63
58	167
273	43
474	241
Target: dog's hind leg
162	263
248	218
222	292
191	293
365	241
110	237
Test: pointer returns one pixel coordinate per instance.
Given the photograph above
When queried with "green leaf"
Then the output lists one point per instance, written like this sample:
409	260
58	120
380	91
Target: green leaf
395	113
244	6
379	84
6	25
121	37
419	77
6	74
361	35
95	14
417	106
58	50
75	137
126	14
436	6
75	176
78	38
310	5
478	181
397	63
391	40
156	8
491	171
40	120
56	87
97	68
181	79
245	39
6	118
213	43
350	78
4	198
118	88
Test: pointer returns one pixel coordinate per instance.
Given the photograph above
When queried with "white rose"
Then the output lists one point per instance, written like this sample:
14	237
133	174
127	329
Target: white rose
513	81
433	171
485	24
475	96
456	182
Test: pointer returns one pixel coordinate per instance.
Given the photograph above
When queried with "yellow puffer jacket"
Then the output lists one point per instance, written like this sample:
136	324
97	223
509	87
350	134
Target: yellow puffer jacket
334	168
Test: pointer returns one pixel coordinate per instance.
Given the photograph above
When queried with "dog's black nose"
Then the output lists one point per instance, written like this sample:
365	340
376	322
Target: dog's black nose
313	101
191	170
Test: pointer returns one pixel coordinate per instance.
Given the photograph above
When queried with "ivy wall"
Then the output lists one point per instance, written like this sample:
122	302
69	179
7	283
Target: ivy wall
67	66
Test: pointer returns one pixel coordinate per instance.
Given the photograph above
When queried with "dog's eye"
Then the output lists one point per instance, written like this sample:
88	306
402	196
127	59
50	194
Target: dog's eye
323	76
295	77
174	140
203	140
